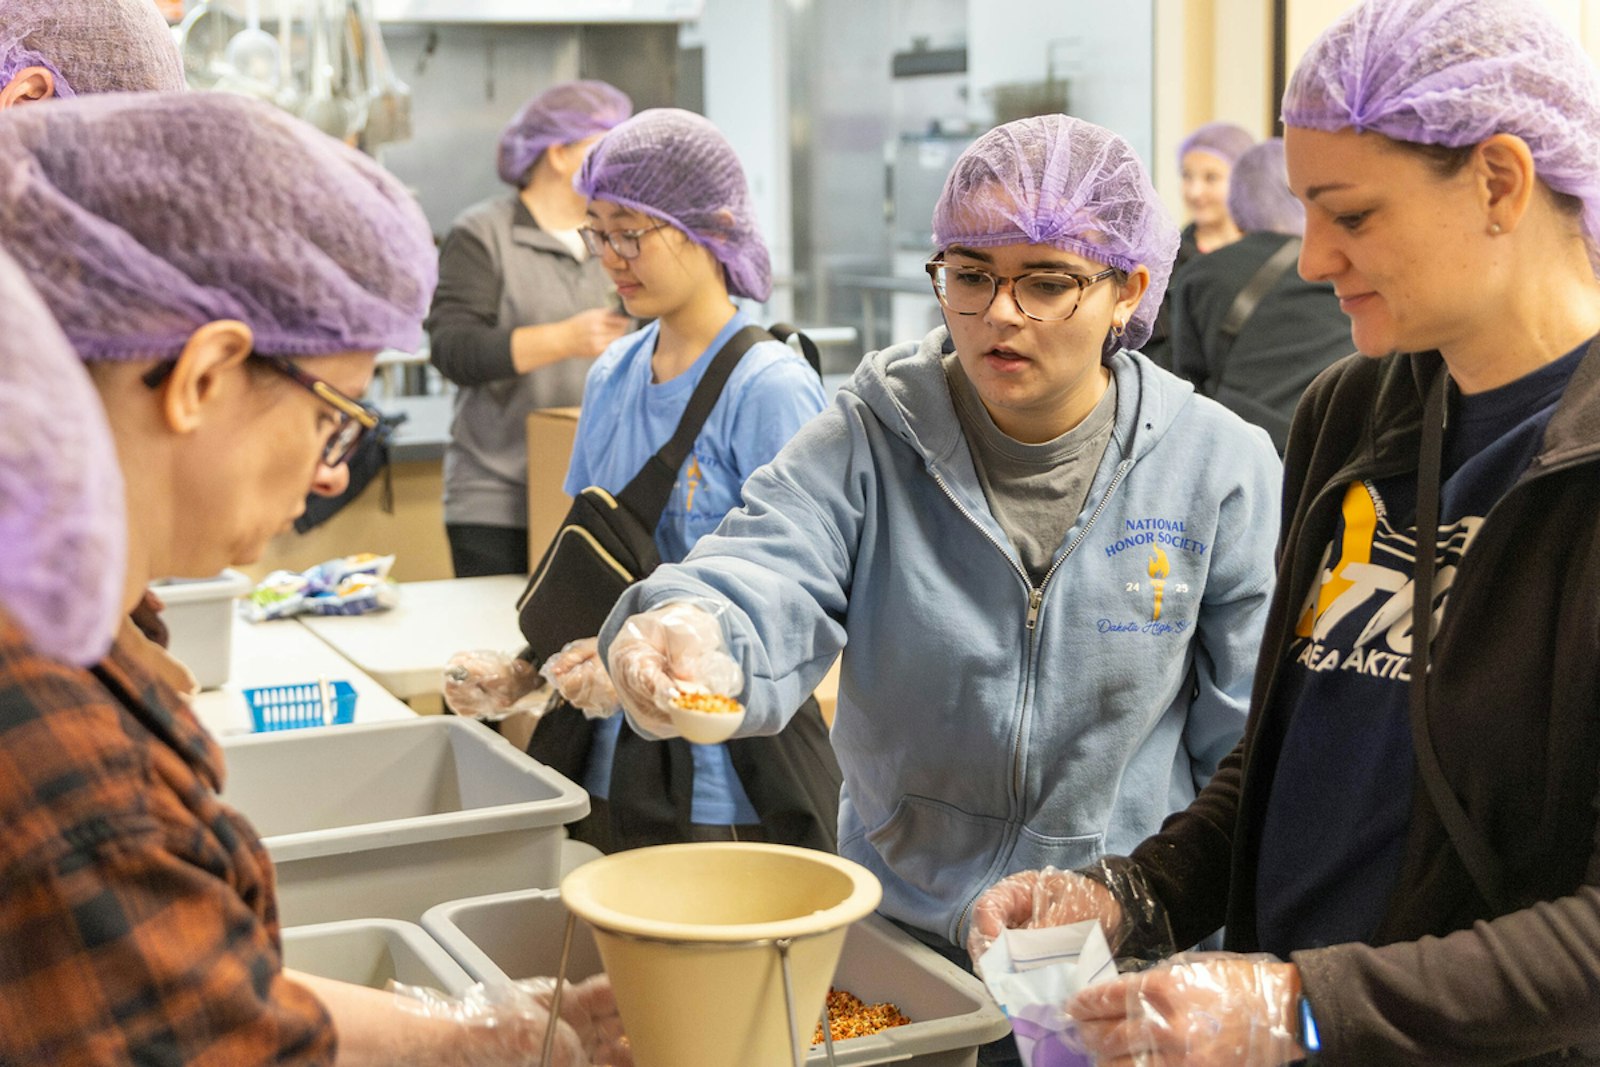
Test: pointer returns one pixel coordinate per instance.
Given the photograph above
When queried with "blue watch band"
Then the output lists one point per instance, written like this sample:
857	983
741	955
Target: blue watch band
1309	1038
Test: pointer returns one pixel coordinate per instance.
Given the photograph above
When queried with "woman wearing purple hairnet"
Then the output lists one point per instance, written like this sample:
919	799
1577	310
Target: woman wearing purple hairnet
670	217
228	313
65	48
1044	561
1404	848
1205	165
1246	328
520	314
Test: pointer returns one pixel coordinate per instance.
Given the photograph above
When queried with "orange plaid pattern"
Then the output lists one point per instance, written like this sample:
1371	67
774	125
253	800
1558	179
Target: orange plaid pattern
137	914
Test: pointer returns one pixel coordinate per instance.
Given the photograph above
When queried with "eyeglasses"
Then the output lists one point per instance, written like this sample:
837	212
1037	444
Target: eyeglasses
356	419
1044	296
625	243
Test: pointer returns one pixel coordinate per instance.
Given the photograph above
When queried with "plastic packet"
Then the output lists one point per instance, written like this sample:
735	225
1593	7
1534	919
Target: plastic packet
1033	972
349	585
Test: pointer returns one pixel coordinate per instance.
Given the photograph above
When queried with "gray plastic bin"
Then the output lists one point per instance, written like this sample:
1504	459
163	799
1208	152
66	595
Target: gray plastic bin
373	952
388	819
518	935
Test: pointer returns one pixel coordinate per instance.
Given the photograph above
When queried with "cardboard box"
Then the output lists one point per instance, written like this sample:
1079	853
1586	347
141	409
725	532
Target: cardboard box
550	434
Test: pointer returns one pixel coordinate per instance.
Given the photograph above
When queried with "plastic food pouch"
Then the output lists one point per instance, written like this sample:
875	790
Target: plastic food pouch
1032	973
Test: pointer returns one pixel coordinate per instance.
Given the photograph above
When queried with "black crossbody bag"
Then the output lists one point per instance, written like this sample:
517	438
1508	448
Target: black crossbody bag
606	542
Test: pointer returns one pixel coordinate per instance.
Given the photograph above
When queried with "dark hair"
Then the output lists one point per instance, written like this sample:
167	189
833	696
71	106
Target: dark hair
1447	162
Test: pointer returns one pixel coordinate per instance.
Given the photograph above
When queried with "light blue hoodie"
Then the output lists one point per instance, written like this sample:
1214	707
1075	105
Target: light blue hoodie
985	726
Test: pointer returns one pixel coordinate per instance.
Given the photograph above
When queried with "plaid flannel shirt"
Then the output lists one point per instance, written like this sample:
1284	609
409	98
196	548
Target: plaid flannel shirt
138	921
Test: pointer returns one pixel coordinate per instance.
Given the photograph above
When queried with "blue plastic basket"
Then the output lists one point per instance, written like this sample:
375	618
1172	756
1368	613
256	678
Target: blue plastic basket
285	707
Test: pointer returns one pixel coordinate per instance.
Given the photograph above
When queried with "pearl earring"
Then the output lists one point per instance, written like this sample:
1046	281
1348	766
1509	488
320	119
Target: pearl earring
1494	228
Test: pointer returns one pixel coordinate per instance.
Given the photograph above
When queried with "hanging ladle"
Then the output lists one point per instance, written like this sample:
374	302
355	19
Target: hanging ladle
253	53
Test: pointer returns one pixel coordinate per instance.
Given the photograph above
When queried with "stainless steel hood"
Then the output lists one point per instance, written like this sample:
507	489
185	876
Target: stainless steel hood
539	11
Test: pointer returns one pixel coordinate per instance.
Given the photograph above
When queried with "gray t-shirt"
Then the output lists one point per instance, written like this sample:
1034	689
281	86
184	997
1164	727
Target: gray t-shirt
1035	491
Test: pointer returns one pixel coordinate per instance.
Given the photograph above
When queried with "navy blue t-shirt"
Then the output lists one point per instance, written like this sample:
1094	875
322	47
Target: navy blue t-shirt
1340	806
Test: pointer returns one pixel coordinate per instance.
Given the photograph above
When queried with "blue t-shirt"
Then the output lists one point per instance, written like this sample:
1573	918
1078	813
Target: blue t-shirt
626	417
1340	808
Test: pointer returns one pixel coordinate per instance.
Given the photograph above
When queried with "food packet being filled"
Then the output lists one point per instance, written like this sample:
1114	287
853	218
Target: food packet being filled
349	585
1033	972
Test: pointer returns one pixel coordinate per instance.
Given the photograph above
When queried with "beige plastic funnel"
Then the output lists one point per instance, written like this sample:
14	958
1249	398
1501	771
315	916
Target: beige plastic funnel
691	937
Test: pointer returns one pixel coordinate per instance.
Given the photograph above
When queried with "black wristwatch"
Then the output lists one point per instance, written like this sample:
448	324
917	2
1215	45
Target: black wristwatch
1306	1031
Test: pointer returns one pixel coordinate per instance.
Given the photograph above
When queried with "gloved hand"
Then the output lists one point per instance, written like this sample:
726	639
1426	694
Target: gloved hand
489	685
1117	895
1203	1009
579	674
506	1025
661	651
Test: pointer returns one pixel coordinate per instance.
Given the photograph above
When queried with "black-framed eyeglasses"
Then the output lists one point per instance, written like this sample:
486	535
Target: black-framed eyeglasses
1044	296
625	243
356	419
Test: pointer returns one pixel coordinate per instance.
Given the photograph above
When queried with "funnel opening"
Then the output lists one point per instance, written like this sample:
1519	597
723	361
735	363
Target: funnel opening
720	892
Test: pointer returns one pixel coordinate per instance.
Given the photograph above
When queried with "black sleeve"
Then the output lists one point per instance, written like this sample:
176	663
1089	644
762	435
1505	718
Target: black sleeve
466	342
1189	359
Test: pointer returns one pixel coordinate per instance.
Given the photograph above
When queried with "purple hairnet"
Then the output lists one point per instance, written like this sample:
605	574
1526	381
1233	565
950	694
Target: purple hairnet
90	46
63	533
561	114
142	217
675	166
1454	72
1224	140
1258	192
1063	182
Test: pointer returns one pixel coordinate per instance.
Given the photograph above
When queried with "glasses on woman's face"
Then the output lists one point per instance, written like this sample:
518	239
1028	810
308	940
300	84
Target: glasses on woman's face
625	243
1044	296
355	419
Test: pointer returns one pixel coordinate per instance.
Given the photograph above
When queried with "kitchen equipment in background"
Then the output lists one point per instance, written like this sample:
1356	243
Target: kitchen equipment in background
1023	100
388	98
323	60
253	53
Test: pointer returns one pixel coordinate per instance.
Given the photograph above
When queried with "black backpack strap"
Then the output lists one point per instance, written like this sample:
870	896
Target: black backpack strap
1483	866
1244	305
808	348
647	494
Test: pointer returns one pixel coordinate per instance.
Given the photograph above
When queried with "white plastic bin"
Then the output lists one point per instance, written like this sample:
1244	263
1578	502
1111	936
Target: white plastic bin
387	819
373	952
199	618
518	935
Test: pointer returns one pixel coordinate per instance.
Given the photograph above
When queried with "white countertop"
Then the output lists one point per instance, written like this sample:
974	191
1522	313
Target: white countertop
279	652
405	649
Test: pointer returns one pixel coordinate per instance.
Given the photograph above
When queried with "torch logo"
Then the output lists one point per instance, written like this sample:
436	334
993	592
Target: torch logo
1159	569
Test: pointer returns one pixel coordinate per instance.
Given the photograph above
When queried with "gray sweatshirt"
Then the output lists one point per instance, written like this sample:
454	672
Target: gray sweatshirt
497	271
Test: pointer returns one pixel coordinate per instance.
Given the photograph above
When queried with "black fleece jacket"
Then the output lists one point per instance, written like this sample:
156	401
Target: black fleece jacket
1514	714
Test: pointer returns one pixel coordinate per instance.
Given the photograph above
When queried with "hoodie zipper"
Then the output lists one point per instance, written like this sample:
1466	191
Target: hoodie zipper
1035	599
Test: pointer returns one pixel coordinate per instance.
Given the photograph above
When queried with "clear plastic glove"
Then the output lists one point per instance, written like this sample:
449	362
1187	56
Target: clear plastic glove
485	684
580	676
661	652
1117	896
506	1025
1202	1009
